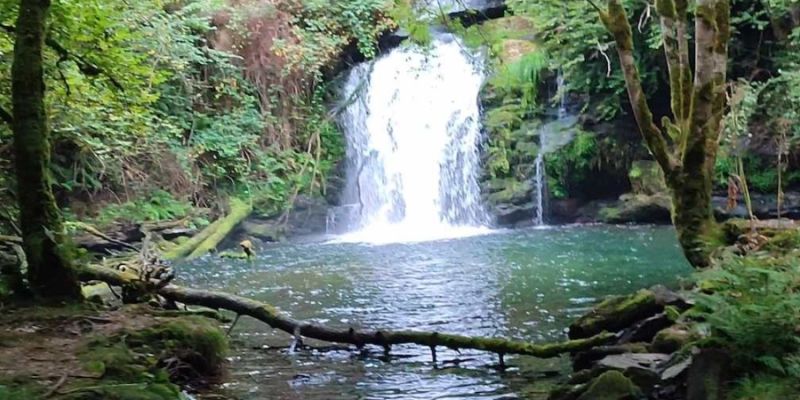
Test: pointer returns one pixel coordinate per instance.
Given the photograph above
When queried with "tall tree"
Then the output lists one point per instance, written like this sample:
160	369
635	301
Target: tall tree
50	273
684	146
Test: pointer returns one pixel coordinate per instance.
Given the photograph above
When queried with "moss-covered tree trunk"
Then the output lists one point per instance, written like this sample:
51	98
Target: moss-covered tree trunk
685	146
49	271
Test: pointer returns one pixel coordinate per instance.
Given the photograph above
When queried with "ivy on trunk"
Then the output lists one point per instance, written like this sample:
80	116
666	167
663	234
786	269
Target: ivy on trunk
685	146
50	273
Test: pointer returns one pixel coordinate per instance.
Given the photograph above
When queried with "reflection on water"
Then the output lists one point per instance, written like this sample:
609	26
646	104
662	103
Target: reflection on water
525	285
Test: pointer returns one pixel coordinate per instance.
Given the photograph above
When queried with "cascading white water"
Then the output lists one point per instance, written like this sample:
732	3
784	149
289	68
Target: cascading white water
551	137
539	188
412	127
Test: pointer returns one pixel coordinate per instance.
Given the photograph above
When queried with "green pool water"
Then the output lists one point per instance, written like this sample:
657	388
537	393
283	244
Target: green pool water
521	284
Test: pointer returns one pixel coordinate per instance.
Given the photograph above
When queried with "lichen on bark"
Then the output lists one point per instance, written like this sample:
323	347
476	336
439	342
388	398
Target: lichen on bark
697	109
50	273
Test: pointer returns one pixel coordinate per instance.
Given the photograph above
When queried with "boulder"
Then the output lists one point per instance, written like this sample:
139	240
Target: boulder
646	178
611	385
646	329
514	192
261	229
513	50
511	215
707	375
586	359
765	206
642	368
469	12
616	313
671	339
638	208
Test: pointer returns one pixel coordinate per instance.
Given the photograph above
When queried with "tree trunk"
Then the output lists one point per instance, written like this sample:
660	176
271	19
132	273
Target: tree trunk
50	273
693	217
685	146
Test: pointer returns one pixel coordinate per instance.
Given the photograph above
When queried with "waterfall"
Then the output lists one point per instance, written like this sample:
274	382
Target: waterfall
412	126
539	188
552	136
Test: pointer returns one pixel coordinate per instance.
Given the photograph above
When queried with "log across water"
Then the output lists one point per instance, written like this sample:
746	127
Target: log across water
385	338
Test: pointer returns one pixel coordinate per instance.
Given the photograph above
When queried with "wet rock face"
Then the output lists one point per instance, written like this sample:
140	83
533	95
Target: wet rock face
462	6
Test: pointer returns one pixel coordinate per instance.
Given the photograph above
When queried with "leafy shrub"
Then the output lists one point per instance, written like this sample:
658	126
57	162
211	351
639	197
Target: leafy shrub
159	206
754	313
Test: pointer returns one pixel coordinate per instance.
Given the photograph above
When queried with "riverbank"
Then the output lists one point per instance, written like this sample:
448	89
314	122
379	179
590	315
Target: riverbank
731	334
88	352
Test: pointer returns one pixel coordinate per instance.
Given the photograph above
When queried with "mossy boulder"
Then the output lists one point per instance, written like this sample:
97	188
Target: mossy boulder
646	178
512	26
672	339
515	192
611	385
638	208
616	313
155	362
513	50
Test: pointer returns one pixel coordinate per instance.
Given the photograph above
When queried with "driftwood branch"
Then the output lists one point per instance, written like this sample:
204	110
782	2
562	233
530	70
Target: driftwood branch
384	338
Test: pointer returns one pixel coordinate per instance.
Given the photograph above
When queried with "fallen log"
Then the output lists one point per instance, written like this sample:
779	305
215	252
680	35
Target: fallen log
384	338
208	239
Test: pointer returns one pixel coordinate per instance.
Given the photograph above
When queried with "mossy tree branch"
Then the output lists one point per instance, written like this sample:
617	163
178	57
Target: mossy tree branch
384	338
615	20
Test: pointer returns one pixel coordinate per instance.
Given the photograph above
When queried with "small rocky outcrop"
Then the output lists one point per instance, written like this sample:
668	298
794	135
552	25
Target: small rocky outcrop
652	357
620	312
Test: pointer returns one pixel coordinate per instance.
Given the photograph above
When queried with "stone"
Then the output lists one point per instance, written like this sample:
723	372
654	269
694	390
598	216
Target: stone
765	206
515	192
646	178
642	368
646	329
611	385
264	230
667	297
616	313
675	367
509	214
585	359
638	208
707	375
671	339
513	50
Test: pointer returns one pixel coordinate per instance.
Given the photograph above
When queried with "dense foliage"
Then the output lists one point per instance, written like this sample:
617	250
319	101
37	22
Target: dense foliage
160	102
750	310
762	122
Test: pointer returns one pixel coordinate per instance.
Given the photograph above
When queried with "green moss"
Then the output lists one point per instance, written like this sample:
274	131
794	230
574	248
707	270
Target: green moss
615	313
784	241
134	364
671	339
196	339
514	192
135	391
20	388
611	385
666	8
